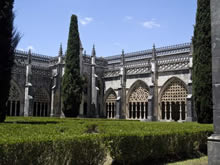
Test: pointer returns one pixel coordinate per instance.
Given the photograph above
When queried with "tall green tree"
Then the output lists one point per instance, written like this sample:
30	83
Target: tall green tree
72	83
8	42
202	63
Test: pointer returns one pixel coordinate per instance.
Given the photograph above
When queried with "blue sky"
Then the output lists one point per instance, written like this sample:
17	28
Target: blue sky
112	25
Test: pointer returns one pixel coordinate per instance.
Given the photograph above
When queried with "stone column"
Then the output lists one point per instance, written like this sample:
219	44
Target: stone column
144	104
150	104
180	104
28	85
189	102
94	88
136	110
154	77
170	119
214	140
118	102
16	102
165	110
11	107
52	114
132	105
123	86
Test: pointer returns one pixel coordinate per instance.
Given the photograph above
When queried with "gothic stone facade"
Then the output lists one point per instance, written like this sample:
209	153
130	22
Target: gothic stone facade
147	85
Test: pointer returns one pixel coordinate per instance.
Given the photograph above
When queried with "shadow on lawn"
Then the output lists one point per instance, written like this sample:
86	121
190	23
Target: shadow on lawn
31	122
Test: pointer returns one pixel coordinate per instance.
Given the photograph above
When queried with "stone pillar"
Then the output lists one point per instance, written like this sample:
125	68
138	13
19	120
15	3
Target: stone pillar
189	102
144	104
132	110
56	102
11	102
118	102
94	88
214	140
154	77
150	116
181	118
123	87
28	85
170	107
165	110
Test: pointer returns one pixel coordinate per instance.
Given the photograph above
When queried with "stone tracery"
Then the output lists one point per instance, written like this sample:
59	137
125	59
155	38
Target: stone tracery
13	104
41	103
138	103
173	101
111	105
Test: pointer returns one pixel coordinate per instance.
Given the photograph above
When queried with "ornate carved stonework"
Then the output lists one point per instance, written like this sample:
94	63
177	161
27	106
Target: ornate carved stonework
139	95
105	73
175	92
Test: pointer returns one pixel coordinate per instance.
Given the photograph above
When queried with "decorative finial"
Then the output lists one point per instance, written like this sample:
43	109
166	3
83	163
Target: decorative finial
123	57
61	50
154	52
29	56
93	51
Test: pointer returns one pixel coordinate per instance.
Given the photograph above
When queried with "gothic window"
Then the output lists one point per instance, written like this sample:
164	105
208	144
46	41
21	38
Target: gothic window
173	101
13	104
111	105
138	103
41	103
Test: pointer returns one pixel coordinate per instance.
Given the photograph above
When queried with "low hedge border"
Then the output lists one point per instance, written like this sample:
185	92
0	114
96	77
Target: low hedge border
88	142
80	151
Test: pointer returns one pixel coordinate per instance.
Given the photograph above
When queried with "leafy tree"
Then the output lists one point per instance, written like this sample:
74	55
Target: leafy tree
72	84
8	42
202	63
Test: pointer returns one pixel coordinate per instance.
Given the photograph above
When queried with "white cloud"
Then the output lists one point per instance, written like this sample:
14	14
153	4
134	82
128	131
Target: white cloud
30	48
150	24
128	18
86	20
21	49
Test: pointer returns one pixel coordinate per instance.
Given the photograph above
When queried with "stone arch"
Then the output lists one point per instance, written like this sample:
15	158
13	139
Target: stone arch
137	100
15	100
110	103
172	100
41	102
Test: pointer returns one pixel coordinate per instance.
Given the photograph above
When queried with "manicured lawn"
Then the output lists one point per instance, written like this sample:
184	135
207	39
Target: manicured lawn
199	161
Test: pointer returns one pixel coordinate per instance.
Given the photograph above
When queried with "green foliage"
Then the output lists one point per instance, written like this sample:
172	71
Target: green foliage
8	41
72	84
202	63
63	141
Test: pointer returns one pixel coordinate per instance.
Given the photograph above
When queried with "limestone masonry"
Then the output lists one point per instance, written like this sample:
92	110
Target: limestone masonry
153	84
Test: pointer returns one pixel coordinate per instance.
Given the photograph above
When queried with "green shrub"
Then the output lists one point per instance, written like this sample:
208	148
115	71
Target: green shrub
77	151
86	141
127	149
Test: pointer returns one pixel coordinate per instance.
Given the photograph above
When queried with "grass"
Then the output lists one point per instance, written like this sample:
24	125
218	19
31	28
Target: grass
199	161
18	129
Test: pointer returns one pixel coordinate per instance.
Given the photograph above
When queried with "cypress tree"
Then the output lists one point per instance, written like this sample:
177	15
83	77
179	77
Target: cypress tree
8	42
72	84
202	63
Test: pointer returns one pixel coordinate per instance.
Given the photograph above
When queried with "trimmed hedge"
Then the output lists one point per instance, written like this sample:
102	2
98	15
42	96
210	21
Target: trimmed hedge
76	141
80	151
128	149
